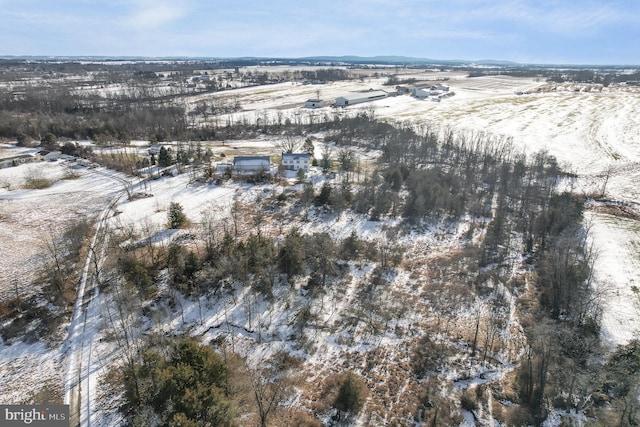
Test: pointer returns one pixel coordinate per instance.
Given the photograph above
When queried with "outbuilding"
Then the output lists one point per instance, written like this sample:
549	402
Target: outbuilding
52	156
8	162
249	165
224	169
421	93
360	97
314	103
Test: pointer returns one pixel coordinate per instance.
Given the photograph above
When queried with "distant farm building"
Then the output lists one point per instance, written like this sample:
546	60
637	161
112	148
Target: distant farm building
52	156
8	162
421	93
436	92
296	161
360	97
250	165
314	103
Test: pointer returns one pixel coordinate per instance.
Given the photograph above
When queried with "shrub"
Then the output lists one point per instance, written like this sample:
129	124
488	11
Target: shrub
468	401
352	393
35	180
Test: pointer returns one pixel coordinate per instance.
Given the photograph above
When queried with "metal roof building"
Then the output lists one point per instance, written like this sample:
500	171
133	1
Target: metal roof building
247	165
360	97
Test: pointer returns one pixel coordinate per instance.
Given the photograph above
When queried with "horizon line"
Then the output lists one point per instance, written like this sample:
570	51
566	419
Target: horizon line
380	59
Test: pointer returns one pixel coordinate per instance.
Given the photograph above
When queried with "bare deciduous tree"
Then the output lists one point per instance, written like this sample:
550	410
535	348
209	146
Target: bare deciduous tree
288	143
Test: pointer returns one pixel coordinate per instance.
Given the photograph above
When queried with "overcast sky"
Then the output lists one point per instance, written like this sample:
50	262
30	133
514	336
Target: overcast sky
529	31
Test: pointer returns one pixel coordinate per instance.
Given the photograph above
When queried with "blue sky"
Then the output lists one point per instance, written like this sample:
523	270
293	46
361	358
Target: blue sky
541	31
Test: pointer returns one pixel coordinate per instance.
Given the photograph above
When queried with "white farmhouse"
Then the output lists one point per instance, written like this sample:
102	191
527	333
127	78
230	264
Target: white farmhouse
360	97
249	165
296	161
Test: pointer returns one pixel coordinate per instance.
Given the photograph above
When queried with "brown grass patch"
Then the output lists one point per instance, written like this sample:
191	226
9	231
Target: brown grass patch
620	211
37	183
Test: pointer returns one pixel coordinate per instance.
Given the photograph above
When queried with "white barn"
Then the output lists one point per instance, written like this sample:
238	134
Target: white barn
421	93
427	91
296	161
249	165
360	97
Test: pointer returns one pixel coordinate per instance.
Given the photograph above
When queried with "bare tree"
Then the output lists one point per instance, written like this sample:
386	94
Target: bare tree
325	162
606	176
288	143
268	393
347	159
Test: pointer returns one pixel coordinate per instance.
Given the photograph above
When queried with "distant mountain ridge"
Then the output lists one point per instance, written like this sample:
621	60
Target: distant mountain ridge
348	59
392	59
396	59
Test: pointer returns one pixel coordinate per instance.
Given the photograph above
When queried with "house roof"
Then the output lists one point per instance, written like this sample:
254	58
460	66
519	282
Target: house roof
364	95
294	156
251	159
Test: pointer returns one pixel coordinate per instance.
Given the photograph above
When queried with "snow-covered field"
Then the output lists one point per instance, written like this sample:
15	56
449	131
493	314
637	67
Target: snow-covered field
594	134
590	130
34	372
30	218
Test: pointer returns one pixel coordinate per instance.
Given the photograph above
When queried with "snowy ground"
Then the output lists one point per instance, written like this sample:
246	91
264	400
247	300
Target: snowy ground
617	242
28	218
35	372
591	133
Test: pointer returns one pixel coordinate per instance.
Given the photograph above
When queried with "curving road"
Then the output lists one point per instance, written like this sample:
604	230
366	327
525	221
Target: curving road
77	348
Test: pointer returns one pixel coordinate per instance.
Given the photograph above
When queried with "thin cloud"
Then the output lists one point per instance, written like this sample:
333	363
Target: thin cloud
564	18
152	14
590	31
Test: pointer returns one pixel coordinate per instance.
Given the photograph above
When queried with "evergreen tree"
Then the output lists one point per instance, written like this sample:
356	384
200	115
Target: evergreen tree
164	157
185	389
292	254
308	147
176	215
325	194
